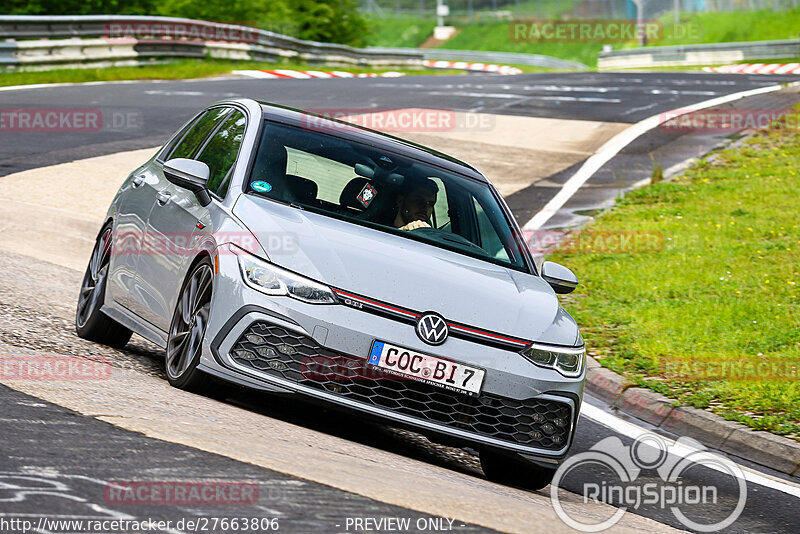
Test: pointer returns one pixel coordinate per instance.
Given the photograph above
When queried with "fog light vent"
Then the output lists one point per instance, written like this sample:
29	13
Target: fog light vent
267	352
244	354
288	350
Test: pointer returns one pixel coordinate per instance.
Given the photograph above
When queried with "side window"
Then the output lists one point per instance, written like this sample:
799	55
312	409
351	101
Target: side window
221	150
441	211
197	132
490	241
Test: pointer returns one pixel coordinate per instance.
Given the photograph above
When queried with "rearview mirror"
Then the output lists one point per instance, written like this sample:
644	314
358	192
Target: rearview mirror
189	174
561	279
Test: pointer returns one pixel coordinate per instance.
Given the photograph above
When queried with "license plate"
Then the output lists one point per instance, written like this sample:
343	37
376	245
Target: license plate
406	363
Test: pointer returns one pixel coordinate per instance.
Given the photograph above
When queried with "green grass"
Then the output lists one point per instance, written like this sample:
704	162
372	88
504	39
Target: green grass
731	27
494	36
187	69
399	31
724	287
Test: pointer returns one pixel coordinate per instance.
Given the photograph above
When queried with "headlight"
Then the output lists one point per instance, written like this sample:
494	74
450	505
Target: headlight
568	361
272	280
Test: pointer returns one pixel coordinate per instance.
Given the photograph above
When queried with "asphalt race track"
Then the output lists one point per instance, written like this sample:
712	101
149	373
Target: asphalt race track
56	460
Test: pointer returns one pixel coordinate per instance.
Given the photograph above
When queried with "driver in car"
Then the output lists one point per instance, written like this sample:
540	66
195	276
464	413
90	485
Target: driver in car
415	205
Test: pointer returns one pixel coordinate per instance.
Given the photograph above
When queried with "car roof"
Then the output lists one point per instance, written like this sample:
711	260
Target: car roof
360	134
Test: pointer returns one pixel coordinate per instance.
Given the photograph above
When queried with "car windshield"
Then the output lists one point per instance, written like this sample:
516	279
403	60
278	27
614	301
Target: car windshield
372	187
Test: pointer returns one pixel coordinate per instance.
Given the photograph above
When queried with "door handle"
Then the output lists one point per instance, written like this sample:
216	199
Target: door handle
137	181
163	197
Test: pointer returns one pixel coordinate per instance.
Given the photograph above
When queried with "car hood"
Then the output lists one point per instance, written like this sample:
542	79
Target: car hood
401	271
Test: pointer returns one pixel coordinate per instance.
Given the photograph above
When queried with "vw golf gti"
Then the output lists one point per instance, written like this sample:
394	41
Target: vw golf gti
283	251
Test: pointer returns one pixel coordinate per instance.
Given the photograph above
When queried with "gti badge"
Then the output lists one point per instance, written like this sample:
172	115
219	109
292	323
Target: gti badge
432	329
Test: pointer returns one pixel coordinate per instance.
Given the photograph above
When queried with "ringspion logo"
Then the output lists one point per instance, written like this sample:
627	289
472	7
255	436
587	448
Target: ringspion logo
650	473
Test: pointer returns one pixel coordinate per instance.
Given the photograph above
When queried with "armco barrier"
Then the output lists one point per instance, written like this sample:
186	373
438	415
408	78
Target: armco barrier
46	41
700	54
61	40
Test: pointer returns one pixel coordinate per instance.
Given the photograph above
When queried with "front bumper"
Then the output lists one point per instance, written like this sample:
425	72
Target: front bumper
522	408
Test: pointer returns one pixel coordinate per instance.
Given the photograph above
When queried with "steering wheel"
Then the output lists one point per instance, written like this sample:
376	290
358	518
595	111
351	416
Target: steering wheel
439	235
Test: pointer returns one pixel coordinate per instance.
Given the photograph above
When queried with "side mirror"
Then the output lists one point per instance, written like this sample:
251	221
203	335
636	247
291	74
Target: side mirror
561	279
189	174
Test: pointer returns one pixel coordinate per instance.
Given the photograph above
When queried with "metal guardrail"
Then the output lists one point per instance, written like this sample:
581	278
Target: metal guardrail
700	54
45	40
535	60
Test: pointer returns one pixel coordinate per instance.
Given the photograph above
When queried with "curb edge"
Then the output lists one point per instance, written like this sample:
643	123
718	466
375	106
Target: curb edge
757	446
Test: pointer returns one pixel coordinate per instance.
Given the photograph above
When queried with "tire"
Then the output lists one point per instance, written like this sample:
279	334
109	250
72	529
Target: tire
515	471
90	322
187	329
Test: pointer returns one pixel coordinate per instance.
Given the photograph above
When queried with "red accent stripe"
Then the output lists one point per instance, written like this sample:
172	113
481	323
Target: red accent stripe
377	303
458	327
279	75
487	334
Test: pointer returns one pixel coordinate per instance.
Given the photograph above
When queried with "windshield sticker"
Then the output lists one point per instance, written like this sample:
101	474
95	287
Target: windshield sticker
367	195
263	187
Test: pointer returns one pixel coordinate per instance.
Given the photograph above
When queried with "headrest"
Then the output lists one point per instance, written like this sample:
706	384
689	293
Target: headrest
302	189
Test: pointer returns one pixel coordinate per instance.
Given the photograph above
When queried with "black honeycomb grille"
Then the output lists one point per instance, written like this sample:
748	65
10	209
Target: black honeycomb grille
273	350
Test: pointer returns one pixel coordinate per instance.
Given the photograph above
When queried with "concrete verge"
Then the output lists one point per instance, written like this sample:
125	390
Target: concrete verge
763	448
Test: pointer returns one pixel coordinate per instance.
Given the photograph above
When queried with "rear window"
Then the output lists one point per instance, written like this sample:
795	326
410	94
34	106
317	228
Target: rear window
386	191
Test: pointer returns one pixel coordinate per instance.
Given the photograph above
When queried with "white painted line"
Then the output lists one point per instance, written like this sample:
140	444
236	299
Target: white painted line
575	99
620	426
614	145
76	84
174	93
477	95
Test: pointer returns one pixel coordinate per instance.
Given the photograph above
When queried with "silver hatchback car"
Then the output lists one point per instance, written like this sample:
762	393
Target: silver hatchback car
283	251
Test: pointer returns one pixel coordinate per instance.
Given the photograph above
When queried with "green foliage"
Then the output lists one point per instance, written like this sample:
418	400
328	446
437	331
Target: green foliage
245	12
78	7
330	21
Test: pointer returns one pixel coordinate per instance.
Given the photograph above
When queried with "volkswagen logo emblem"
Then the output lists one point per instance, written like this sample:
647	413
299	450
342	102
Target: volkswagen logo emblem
432	329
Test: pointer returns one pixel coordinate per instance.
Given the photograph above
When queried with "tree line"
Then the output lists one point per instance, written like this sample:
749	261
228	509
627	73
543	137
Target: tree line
330	21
